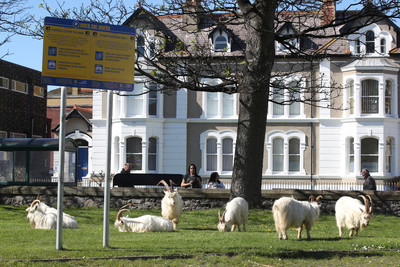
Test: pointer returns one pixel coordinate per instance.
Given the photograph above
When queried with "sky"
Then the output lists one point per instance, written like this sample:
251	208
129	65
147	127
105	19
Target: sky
27	51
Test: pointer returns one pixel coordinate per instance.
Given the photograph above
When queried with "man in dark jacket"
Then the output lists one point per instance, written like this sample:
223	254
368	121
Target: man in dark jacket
369	182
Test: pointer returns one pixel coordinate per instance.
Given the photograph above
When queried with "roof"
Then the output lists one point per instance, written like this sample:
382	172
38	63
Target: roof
78	112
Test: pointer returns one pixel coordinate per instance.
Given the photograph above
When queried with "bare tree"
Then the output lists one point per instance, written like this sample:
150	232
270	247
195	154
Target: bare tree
182	57
13	14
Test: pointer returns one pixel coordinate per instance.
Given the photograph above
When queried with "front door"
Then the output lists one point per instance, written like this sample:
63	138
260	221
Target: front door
82	162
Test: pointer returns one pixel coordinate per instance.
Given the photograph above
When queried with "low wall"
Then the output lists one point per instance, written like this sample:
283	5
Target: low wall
385	202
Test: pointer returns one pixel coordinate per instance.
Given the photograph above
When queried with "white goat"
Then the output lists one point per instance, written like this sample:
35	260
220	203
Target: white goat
68	220
41	220
235	214
350	212
171	204
145	223
289	212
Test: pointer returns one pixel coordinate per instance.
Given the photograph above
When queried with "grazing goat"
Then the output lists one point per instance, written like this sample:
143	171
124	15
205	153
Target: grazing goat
350	212
171	204
289	212
235	214
68	220
41	220
145	223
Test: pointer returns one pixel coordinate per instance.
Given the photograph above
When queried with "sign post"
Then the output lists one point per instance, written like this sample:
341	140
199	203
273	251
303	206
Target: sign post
89	55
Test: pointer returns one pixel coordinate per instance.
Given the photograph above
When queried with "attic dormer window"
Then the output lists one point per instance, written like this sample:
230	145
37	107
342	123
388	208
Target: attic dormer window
370	42
145	46
287	44
220	41
221	44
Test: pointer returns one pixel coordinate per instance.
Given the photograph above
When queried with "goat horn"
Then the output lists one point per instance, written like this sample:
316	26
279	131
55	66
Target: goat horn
120	213
171	182
125	206
34	202
165	185
365	203
223	216
311	198
318	198
371	205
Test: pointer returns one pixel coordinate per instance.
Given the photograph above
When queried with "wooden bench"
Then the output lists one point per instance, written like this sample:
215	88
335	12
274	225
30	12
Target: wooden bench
130	180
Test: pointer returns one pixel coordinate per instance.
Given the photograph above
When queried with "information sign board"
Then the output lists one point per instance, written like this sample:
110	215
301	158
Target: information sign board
88	54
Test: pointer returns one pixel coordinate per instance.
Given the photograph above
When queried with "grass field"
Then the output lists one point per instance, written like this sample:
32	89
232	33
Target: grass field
196	243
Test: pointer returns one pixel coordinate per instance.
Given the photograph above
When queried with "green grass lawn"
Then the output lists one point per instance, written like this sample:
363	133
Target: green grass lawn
196	243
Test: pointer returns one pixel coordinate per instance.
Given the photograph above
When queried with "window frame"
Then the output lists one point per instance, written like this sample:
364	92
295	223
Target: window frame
14	87
220	33
219	136
286	137
7	81
219	100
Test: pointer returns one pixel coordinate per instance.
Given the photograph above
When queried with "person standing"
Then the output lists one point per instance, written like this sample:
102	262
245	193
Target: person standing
191	179
369	182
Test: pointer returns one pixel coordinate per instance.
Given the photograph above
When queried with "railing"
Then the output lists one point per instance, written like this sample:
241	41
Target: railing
98	181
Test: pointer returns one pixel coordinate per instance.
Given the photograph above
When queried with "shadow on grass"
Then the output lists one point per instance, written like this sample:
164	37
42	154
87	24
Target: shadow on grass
319	255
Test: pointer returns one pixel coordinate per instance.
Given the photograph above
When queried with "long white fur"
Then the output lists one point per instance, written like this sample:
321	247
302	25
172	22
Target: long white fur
352	214
41	220
289	212
145	223
69	221
171	205
235	214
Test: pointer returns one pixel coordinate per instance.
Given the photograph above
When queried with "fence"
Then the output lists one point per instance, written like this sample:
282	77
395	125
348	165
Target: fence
270	185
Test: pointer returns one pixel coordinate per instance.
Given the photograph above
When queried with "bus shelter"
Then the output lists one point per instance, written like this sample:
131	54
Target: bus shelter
34	161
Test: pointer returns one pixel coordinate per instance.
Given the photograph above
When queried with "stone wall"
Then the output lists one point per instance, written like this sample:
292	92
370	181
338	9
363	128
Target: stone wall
387	202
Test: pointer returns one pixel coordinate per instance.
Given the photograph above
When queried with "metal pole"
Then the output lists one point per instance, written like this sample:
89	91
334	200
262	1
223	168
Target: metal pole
107	179
61	149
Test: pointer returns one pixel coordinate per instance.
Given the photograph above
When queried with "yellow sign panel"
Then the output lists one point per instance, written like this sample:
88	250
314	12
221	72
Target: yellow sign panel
87	54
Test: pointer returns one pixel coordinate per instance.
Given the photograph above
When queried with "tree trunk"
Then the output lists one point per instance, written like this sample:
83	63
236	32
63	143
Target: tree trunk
253	100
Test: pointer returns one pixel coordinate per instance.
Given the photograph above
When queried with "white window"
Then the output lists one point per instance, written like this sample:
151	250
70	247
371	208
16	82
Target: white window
3	134
287	98
19	87
17	135
369	96
278	155
218	104
350	87
4	83
286	152
217	151
370	40
152	154
388	97
145	45
134	152
227	154
350	154
153	99
287	45
389	154
212	154
220	41
135	101
370	154
38	91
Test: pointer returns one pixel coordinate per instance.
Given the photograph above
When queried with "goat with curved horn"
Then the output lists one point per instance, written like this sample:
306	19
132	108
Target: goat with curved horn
171	204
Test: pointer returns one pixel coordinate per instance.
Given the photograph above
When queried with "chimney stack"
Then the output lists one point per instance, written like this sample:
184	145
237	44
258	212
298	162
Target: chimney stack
328	11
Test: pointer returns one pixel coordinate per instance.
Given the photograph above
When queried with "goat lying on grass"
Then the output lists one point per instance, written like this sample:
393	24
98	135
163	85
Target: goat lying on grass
145	223
44	214
289	212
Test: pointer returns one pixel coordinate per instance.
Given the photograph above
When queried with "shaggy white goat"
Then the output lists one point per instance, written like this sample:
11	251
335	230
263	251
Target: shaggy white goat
352	214
289	212
145	223
171	204
68	220
41	220
235	214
